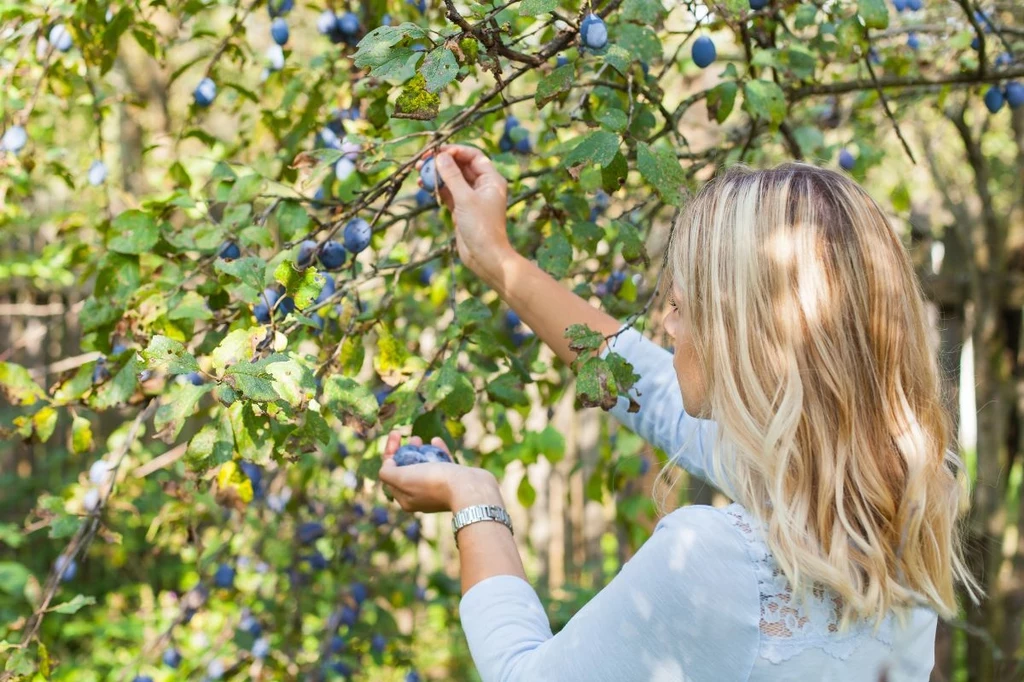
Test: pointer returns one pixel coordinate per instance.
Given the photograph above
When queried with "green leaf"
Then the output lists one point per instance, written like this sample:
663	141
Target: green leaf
441	383
531	8
18	386
439	68
44	422
302	285
135	232
640	41
180	404
555	254
625	377
189	306
472	310
375	47
20	663
646	12
292	220
613	176
245	189
293	382
555	84
873	13
461	400
353	352
582	338
399	67
661	170
548	442
64	526
525	492
900	198
407	406
166	354
348	396
10	535
392	357
118	279
97	314
595	385
81	435
806	15
633	248
13	577
721	100
619	58
764	99
250	271
598	147
507	390
238	346
118	390
211	447
73	606
75	387
254	380
614	120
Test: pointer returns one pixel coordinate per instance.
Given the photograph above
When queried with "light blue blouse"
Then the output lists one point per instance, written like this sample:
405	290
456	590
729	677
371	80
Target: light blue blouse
702	600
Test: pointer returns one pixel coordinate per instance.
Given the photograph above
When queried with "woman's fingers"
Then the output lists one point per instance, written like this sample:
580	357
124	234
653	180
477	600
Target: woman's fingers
416	440
438	442
391	447
454	180
475	164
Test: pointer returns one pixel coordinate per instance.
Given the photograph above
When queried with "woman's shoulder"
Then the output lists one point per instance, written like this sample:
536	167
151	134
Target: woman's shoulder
787	624
727	526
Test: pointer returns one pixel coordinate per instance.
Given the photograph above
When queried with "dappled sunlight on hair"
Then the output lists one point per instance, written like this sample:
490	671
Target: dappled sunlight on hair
810	327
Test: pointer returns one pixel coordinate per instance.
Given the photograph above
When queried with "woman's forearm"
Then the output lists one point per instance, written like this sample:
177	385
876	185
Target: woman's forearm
546	306
486	548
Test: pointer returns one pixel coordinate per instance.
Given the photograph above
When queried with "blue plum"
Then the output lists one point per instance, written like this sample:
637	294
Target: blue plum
847	160
994	99
429	176
332	255
14	140
224	576
229	251
1015	94
307	250
594	32
172	657
703	52
205	92
279	31
357	235
309	532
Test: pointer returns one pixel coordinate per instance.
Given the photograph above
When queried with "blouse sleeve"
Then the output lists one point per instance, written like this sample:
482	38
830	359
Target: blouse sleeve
662	421
686	606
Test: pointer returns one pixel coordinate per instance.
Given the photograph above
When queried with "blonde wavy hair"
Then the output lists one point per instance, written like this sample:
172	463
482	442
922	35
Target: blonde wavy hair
812	336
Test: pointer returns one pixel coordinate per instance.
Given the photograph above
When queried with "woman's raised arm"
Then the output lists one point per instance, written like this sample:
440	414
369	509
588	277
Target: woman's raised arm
476	194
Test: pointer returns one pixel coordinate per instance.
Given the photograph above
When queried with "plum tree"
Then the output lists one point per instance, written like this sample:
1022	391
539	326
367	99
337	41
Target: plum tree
237	370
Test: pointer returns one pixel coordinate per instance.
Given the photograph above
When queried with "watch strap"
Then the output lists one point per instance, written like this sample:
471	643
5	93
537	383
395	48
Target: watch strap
479	512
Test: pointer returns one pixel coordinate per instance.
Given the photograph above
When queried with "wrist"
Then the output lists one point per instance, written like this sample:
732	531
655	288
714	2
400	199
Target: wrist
501	268
476	487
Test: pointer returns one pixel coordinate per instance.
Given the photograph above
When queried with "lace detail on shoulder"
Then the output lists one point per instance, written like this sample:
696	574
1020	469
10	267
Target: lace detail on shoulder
789	626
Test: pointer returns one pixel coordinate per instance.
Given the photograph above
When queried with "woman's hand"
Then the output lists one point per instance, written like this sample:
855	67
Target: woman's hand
477	196
435	486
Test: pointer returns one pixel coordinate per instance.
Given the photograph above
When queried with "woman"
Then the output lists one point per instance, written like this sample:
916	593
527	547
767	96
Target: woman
802	384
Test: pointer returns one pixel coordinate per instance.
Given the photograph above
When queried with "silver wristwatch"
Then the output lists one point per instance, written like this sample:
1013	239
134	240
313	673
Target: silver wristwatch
479	512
